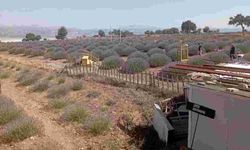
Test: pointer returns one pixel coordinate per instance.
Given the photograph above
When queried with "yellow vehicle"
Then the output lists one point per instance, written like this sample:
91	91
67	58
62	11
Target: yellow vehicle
182	53
89	59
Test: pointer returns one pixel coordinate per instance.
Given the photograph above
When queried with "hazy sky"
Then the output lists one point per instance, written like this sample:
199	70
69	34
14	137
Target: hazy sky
88	14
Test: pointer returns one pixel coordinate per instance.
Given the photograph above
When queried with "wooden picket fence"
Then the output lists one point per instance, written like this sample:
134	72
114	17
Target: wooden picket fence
171	82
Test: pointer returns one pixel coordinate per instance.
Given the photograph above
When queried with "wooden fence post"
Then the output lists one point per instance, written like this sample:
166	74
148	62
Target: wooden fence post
178	87
142	78
172	81
162	81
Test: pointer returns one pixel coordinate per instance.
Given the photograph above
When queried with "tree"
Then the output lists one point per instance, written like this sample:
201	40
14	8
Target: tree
126	33
188	26
62	33
148	32
206	29
240	20
32	37
158	32
101	33
170	31
38	37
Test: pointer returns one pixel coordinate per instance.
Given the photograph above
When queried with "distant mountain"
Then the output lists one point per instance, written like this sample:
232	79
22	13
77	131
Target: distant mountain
225	30
48	32
21	31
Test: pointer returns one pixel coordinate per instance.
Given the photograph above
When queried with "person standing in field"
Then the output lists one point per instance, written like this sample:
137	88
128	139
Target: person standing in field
200	49
232	52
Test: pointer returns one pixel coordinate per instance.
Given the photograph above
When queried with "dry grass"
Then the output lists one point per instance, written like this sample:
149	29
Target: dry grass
58	103
58	91
20	129
4	74
76	85
29	78
75	113
8	110
40	86
98	125
61	80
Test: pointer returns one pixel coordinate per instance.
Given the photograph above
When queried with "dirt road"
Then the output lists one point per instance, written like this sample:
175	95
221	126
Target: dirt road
36	62
33	104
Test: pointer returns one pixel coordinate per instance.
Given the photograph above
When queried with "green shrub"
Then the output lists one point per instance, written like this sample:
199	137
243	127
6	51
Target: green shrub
75	113
135	65
193	50
58	91
209	47
247	57
4	74
125	51
76	85
57	55
218	58
173	54
27	52
112	62
156	51
157	60
8	110
35	53
21	75
58	103
29	78
61	80
244	47
20	129
138	54
51	77
197	61
40	86
99	125
109	53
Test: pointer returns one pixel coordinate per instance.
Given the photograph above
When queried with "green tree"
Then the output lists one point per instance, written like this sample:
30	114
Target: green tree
206	29
62	33
32	37
240	20
188	26
101	33
148	32
38	37
171	31
158	32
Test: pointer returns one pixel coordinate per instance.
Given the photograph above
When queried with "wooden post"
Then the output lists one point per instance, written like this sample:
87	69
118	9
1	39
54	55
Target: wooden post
158	79
167	82
137	78
172	81
177	80
162	81
133	78
130	78
146	78
153	79
119	74
141	78
126	74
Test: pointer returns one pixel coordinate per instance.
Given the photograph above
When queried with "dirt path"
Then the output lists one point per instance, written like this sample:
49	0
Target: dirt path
33	105
37	62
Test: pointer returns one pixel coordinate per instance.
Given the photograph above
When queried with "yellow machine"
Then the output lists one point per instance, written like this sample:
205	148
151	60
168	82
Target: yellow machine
88	59
182	53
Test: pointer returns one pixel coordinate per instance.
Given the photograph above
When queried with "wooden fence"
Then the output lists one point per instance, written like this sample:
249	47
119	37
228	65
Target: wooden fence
170	82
